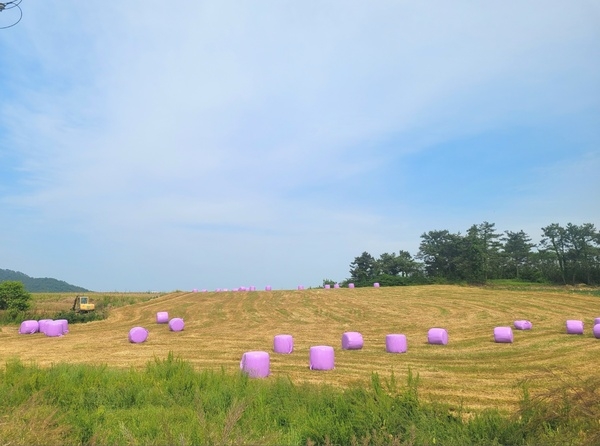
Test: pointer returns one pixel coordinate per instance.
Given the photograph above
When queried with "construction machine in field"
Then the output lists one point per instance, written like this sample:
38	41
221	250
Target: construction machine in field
82	305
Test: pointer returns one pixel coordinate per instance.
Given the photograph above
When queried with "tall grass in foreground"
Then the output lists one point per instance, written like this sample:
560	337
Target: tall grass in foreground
170	403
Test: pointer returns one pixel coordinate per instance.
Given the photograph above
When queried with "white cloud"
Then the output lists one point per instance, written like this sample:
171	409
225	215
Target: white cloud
198	129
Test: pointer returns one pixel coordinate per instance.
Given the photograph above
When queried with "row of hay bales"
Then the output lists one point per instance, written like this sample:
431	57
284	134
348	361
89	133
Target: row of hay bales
256	364
49	327
270	288
138	334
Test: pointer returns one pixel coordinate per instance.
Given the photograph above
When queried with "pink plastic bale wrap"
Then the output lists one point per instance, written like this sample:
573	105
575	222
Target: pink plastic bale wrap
283	343
43	323
352	340
327	286
321	357
337	285
437	336
268	288
596	331
138	335
195	290
376	284
54	329
29	327
256	364
162	317
300	287
396	343
176	324
574	327
503	335
350	285
523	325
65	324
597	321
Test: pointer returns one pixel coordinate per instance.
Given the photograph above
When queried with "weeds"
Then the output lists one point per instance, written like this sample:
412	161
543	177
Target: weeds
171	403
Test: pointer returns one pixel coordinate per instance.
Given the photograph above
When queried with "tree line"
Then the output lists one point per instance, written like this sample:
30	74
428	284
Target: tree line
565	255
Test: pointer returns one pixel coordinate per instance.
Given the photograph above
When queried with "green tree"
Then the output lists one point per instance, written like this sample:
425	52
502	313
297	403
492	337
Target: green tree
440	251
584	250
13	296
576	250
555	240
487	244
388	264
517	251
363	269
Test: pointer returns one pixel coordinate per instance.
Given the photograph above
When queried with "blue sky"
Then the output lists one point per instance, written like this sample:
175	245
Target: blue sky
225	144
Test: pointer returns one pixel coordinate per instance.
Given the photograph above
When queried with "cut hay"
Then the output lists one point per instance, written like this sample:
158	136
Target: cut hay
523	325
503	335
574	327
283	343
256	364
162	317
176	324
321	357
352	340
438	336
138	335
29	327
396	343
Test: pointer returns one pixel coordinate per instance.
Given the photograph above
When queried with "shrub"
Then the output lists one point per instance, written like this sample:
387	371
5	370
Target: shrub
13	296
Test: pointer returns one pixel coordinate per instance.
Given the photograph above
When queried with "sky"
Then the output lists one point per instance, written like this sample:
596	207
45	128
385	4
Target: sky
166	146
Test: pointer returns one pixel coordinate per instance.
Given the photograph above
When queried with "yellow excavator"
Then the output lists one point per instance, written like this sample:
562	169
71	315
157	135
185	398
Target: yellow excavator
82	305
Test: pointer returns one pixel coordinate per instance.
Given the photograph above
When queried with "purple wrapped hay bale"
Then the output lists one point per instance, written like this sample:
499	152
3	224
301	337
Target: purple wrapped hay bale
176	324
162	317
523	325
29	327
43	323
396	343
596	331
503	335
54	329
597	321
268	288
321	357
283	343
327	286
350	285
574	327
376	284
437	336
65	325
337	285
256	364
300	287
352	340
138	335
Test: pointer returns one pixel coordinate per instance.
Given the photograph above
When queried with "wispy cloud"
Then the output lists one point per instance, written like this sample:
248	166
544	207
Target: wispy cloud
207	143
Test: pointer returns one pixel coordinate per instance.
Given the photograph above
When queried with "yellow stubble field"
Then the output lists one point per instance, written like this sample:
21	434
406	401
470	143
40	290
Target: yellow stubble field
471	370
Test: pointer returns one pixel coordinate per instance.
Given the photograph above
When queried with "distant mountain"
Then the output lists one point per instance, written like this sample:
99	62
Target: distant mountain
40	285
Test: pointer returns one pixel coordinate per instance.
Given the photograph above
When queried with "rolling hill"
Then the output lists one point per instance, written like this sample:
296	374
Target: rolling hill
40	285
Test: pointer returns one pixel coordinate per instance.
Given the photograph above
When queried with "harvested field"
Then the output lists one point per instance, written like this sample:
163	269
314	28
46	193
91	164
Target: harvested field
471	370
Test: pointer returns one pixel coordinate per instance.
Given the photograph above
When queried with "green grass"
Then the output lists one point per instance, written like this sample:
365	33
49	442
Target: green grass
169	402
